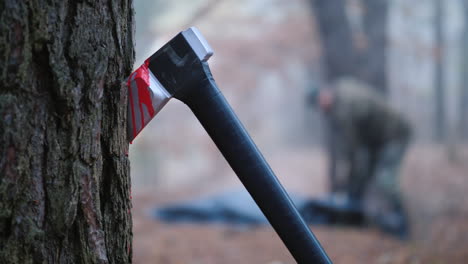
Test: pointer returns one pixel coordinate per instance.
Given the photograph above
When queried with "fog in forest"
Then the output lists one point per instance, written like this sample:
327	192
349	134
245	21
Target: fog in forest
268	55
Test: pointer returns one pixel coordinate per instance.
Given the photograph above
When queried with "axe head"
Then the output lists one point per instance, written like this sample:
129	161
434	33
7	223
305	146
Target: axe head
174	67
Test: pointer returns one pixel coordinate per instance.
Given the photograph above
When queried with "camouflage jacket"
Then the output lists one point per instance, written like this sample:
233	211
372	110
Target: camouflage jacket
363	118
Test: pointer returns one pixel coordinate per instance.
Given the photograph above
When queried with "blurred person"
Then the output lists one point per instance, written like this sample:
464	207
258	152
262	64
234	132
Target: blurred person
370	139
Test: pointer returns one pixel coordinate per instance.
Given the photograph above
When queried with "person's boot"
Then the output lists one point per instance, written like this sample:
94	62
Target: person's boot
394	222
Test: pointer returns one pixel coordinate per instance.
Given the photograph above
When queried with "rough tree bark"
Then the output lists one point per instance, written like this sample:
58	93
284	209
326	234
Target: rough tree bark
64	174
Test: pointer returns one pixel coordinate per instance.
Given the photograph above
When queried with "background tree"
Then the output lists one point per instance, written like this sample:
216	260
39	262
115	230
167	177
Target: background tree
336	37
439	91
354	44
463	103
64	173
372	59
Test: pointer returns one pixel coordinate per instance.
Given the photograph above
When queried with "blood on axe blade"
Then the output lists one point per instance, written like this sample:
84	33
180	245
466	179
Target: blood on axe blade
180	70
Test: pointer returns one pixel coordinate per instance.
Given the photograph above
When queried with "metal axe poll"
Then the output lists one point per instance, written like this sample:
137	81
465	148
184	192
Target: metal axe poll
180	70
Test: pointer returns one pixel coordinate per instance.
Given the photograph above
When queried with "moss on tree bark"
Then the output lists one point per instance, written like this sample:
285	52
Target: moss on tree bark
64	173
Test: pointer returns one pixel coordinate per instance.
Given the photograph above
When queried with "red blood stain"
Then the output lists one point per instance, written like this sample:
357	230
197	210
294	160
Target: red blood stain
144	94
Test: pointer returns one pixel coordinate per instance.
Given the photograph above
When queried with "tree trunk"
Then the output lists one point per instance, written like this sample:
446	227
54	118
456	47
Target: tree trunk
338	61
347	53
463	103
64	173
360	54
373	58
338	52
439	94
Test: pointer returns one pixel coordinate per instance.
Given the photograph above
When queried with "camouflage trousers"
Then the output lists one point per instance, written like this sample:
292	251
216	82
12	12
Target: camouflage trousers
377	169
374	182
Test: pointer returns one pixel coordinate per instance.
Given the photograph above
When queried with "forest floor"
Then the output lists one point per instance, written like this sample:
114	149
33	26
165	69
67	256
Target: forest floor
436	191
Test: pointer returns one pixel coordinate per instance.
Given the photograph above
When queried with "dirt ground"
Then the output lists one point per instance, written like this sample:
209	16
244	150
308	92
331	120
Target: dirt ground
435	188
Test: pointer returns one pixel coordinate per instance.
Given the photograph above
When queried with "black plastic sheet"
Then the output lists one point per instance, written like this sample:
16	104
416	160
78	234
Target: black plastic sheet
238	208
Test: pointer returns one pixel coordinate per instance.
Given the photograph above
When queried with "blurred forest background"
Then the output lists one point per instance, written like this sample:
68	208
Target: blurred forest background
268	53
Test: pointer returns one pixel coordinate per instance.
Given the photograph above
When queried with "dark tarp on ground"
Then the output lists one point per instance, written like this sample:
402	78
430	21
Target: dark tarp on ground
237	207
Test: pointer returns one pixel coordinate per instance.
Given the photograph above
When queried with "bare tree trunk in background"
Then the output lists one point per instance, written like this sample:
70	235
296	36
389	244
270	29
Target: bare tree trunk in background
373	58
348	53
336	36
358	54
439	93
463	103
64	174
338	61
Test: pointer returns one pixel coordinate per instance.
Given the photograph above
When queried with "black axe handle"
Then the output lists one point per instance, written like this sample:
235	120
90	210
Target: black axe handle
219	120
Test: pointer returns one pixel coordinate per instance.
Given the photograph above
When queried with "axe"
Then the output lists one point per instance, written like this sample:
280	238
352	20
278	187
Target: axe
180	70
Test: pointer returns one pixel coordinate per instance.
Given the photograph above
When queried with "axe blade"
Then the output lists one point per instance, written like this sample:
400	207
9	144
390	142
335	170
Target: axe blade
146	97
